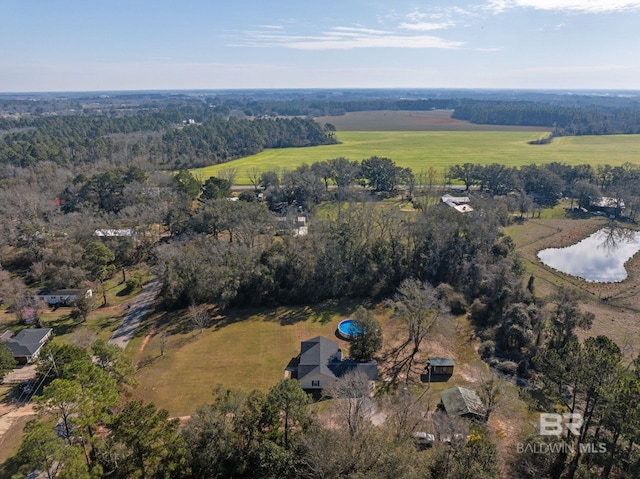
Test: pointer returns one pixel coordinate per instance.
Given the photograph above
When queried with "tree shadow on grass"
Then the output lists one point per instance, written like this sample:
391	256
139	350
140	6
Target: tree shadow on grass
322	313
110	322
172	322
178	322
64	325
10	467
126	291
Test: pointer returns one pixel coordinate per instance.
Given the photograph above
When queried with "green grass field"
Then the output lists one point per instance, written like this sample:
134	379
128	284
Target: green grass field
420	149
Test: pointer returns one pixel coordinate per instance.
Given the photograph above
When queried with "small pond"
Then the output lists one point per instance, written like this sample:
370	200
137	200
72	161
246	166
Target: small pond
600	258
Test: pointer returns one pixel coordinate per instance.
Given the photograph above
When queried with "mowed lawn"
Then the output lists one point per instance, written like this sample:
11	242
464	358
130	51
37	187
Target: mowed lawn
249	351
419	150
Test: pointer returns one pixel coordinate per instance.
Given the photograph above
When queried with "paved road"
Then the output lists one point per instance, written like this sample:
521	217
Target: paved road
139	307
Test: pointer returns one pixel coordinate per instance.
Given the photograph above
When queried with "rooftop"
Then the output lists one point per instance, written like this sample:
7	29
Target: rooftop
320	355
441	361
462	401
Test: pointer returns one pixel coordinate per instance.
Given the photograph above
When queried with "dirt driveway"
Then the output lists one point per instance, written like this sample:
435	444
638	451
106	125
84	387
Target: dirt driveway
22	373
10	416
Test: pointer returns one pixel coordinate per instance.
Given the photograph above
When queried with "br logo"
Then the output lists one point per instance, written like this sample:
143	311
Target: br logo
552	424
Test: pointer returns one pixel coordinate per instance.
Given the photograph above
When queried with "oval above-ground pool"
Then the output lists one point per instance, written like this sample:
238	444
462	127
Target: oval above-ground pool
348	328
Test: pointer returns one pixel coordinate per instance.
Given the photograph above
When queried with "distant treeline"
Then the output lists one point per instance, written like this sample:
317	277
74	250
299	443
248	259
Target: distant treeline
74	140
565	120
218	141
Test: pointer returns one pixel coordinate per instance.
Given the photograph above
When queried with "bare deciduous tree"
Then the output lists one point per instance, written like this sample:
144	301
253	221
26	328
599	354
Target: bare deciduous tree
406	411
353	403
228	174
490	392
418	305
255	177
199	315
163	342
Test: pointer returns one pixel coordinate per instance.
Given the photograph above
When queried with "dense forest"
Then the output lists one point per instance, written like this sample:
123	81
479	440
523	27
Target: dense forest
73	140
566	121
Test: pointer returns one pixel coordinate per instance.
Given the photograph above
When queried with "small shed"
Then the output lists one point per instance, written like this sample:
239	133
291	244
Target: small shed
462	402
437	370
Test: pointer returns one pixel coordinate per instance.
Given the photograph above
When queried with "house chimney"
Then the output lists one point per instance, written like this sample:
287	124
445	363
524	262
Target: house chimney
339	355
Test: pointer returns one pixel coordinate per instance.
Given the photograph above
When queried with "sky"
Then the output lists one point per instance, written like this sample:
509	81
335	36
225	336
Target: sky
98	45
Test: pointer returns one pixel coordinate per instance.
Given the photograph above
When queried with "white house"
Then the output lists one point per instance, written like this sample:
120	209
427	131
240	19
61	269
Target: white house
62	297
458	203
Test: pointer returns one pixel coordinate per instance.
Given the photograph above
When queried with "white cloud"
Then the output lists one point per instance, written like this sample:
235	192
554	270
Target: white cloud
343	38
577	6
426	26
360	30
498	6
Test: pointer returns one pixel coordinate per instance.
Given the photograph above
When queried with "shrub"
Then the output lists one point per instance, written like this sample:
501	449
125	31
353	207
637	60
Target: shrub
248	196
487	350
479	312
507	367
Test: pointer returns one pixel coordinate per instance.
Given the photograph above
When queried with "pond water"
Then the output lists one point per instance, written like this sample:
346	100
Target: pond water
600	258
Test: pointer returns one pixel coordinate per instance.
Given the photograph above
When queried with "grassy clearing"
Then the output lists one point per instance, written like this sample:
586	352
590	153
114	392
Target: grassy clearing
419	150
250	349
246	350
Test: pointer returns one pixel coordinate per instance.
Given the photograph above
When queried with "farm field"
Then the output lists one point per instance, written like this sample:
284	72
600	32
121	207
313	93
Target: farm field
419	150
432	120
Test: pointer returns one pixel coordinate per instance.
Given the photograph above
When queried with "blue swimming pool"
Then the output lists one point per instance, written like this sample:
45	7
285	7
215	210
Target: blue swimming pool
348	328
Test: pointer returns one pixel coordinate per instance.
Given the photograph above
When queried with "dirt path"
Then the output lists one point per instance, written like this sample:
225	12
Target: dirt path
9	415
139	308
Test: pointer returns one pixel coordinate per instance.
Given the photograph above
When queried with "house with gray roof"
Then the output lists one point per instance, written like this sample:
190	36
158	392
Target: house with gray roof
462	402
26	345
320	363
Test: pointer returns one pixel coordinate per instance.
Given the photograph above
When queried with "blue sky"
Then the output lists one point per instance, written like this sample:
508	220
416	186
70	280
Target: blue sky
77	45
